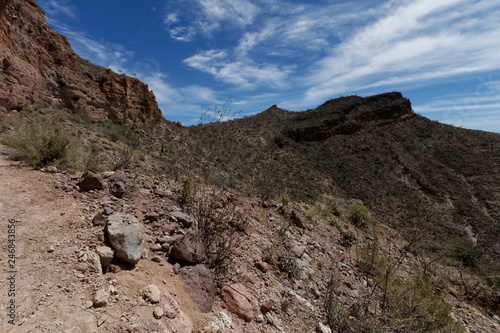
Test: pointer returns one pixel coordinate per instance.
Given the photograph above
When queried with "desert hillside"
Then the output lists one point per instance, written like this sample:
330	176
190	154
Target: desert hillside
356	216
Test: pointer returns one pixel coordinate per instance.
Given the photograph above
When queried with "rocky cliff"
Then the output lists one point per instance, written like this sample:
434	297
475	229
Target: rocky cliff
39	64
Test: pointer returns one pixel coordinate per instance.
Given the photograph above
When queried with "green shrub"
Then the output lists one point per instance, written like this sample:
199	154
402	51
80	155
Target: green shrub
358	215
465	251
42	140
416	306
370	261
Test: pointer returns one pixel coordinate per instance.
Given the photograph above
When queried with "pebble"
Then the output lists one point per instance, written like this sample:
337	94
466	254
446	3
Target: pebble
158	312
177	268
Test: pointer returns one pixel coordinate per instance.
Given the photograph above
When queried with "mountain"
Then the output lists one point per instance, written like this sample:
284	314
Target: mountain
39	64
402	165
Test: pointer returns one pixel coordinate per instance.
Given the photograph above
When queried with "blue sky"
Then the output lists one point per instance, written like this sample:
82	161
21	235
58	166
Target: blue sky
444	55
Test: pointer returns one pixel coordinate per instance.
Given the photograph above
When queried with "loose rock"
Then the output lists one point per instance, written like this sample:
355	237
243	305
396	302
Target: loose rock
125	236
101	298
91	181
152	293
105	254
237	301
189	248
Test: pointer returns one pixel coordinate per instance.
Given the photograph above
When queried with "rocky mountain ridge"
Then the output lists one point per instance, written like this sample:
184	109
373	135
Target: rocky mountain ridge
37	64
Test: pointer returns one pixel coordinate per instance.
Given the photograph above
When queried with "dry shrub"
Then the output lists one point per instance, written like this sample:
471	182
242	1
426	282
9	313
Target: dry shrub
221	227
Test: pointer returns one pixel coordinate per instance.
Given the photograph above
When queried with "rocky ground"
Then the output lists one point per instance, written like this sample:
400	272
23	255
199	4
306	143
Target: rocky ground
64	281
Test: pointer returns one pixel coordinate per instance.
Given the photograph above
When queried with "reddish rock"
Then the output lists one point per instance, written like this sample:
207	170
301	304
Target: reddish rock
266	307
299	220
91	181
117	177
82	267
262	266
189	248
237	300
168	228
298	250
199	283
39	64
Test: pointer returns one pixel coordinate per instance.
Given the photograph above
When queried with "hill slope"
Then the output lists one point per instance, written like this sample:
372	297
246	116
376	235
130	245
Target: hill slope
375	149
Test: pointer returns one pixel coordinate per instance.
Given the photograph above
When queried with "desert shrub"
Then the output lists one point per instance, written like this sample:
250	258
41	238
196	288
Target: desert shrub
350	316
40	141
465	251
358	215
220	226
348	238
415	306
324	207
370	260
288	265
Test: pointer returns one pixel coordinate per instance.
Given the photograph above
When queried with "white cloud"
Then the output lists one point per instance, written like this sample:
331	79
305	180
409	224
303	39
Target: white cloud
415	42
55	8
243	73
105	54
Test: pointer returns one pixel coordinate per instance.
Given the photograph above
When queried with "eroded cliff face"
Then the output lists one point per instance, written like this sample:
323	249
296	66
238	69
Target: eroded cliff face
39	64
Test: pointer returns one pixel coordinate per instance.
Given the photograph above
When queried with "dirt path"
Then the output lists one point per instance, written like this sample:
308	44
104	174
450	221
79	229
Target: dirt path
44	217
50	295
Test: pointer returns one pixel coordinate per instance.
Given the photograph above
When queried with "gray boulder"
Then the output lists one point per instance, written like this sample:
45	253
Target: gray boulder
185	219
125	236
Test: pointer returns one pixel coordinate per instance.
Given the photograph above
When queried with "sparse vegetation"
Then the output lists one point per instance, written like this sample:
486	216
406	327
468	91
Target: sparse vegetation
358	215
221	227
41	140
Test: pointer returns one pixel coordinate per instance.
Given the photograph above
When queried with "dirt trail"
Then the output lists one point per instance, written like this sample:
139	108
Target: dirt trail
50	295
44	217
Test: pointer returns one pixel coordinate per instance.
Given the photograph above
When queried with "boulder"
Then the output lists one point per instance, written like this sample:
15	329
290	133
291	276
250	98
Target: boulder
237	300
185	219
125	236
299	220
190	248
91	181
117	189
118	177
199	283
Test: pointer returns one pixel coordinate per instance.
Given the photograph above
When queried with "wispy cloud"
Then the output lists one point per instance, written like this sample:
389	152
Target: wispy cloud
55	8
415	42
243	73
101	53
184	20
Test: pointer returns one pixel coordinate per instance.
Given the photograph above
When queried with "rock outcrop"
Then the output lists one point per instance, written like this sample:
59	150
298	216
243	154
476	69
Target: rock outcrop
37	64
